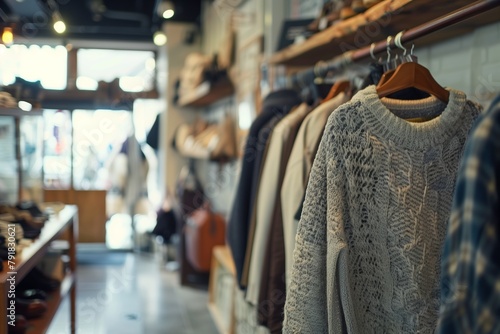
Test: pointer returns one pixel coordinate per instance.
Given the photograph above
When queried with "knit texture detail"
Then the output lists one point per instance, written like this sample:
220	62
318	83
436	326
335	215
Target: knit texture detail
367	254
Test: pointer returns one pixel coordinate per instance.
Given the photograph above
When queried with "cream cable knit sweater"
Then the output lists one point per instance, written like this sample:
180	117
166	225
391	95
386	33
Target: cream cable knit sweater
367	255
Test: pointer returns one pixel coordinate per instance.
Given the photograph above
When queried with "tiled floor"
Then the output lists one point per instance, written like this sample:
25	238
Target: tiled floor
138	296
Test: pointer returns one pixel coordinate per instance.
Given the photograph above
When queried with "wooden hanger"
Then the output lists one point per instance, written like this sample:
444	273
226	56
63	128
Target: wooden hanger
340	86
409	75
385	77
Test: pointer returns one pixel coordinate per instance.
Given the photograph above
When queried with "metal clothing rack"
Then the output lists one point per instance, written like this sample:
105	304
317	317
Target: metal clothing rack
342	61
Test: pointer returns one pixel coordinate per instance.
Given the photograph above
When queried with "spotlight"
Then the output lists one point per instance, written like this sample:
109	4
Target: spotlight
166	9
159	38
168	14
59	25
7	36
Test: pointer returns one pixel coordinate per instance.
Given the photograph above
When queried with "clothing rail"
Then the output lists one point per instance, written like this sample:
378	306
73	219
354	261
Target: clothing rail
322	68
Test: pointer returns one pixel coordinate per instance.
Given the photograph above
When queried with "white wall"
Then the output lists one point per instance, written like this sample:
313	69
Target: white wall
171	62
470	63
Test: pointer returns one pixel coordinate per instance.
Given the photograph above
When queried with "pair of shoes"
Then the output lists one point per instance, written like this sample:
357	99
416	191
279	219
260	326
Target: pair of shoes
30	308
33	209
36	279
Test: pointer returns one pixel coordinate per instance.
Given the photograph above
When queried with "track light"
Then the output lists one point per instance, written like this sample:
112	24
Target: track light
159	38
7	36
166	9
59	25
169	13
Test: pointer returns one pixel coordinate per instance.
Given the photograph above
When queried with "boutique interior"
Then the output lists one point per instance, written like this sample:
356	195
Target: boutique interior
249	166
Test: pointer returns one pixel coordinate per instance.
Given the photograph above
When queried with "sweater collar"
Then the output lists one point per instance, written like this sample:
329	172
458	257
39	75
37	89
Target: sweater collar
386	124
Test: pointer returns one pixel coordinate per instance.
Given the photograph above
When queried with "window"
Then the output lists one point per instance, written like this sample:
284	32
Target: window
45	63
134	69
98	135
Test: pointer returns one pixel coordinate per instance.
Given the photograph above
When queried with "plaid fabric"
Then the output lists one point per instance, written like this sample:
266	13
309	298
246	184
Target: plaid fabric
470	281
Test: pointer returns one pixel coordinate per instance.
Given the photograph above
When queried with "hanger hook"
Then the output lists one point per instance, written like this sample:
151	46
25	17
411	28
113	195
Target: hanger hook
397	42
389	39
412	47
317	68
372	50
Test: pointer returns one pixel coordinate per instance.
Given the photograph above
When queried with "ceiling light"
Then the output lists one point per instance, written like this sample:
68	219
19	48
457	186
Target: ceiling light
59	25
166	9
168	14
159	38
7	36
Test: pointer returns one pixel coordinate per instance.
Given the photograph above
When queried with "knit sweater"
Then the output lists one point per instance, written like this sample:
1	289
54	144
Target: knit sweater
367	254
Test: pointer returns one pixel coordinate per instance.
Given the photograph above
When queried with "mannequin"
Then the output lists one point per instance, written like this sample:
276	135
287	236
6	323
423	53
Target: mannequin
128	171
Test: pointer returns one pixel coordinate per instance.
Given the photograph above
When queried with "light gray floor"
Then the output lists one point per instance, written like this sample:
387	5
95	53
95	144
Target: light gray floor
139	297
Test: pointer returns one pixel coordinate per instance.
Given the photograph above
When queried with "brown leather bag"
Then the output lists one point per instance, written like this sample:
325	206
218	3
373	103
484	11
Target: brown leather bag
204	230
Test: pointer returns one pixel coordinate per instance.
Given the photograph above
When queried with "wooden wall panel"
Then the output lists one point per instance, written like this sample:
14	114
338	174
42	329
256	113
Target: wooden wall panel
91	211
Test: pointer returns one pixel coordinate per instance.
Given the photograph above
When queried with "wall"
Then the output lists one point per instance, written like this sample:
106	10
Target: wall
220	180
470	63
171	60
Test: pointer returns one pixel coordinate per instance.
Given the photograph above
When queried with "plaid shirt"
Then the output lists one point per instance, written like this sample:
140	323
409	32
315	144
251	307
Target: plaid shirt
470	281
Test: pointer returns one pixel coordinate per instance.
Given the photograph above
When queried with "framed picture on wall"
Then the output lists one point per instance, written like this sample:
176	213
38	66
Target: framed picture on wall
292	31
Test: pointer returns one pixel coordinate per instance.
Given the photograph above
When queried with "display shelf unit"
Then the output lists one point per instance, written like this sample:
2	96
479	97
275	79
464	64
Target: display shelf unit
64	221
16	112
40	325
384	19
222	267
208	93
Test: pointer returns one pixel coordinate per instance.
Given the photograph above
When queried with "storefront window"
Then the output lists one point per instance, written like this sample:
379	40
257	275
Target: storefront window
98	135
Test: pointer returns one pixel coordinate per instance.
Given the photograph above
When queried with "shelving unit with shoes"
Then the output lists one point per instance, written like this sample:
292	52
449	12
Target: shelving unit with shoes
30	293
28	228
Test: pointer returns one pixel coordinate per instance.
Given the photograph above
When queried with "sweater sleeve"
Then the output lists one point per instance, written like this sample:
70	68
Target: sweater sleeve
306	304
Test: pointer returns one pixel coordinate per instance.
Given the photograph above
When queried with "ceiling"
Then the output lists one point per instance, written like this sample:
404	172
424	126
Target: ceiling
114	20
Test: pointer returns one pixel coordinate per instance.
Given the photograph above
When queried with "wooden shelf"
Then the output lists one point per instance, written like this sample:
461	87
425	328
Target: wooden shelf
17	112
221	260
30	256
42	324
208	93
384	19
86	99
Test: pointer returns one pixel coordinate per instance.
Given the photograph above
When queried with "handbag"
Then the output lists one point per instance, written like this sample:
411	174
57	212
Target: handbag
203	231
189	191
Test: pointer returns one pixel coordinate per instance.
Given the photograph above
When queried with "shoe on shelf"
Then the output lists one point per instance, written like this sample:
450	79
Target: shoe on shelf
21	325
33	209
31	308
